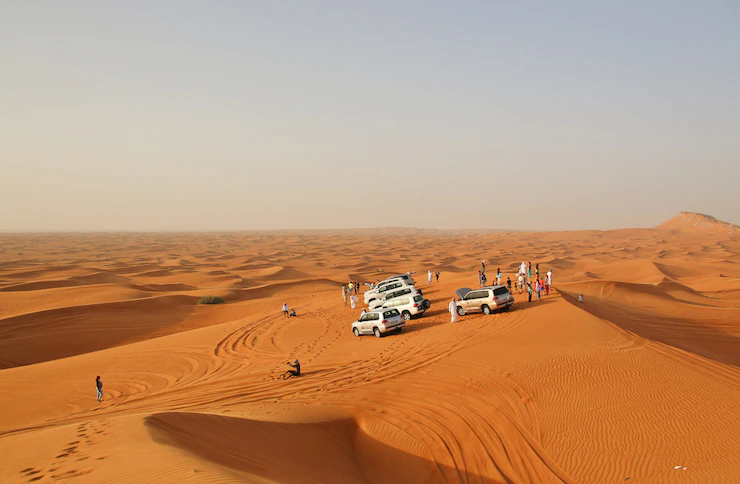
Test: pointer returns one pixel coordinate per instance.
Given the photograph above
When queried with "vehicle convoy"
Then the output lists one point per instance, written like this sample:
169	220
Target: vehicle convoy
379	322
403	291
485	300
408	306
383	288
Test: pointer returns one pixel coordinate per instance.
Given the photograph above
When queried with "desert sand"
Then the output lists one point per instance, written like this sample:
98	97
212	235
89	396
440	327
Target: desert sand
642	377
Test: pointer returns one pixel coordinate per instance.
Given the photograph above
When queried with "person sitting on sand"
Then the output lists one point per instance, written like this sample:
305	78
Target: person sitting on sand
292	313
99	388
580	298
296	372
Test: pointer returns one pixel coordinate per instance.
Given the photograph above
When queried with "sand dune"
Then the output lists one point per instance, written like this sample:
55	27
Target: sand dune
641	377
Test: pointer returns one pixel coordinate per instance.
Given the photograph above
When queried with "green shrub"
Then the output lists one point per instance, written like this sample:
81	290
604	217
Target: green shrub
211	300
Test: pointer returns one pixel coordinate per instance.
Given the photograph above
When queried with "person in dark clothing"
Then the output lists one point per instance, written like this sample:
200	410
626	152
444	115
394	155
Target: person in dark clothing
295	372
508	283
529	290
99	387
437	275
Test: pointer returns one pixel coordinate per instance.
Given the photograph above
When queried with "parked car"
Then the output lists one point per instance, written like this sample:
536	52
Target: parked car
379	322
380	291
406	277
485	299
409	306
403	291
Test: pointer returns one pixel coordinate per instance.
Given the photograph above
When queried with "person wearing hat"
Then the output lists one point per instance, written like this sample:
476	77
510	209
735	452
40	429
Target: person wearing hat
296	372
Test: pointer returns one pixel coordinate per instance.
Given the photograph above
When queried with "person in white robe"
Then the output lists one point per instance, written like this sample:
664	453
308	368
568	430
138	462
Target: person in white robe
453	310
353	301
429	277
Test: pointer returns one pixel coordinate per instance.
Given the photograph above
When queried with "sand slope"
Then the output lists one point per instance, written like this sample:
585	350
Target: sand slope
640	378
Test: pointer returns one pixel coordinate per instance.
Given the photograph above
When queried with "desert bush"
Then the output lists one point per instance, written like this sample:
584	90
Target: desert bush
211	300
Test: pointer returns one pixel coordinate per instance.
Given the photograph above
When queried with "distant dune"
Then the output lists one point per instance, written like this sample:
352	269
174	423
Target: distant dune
698	222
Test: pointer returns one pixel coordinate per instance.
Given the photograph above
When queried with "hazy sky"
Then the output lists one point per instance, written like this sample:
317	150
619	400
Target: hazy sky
334	114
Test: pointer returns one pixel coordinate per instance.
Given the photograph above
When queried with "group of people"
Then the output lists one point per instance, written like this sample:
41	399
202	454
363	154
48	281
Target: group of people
524	282
483	280
349	292
288	312
429	276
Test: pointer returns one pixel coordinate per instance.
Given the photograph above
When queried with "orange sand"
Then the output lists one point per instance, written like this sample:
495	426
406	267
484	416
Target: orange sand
640	378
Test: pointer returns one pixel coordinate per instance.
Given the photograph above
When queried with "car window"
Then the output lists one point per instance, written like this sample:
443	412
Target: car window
372	316
403	302
501	291
363	317
476	295
418	298
390	313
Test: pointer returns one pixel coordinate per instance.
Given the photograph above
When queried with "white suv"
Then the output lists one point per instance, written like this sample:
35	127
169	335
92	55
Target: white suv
485	299
403	291
409	306
380	291
378	322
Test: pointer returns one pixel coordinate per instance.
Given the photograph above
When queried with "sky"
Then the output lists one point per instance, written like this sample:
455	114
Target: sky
250	115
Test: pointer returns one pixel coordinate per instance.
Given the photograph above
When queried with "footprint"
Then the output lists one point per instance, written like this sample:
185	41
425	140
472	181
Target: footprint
35	478
27	469
62	455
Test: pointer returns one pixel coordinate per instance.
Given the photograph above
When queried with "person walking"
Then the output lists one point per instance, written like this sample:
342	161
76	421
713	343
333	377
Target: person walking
99	388
452	308
285	310
429	277
529	291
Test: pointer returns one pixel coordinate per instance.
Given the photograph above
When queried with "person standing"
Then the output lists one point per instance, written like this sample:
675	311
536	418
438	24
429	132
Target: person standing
483	266
353	301
452	308
285	310
498	276
529	270
99	388
537	270
529	291
357	287
537	288
521	282
350	286
508	283
429	277
344	293
548	282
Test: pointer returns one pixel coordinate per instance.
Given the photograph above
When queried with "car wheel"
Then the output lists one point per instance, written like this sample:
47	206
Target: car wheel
376	332
427	304
398	330
460	311
406	315
356	331
486	310
507	308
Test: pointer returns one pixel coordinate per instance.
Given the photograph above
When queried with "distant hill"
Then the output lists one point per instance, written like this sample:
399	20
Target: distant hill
698	223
